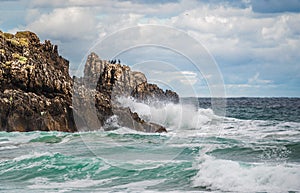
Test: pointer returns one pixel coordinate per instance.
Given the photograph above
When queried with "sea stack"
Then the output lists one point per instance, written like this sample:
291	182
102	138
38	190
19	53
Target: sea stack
37	92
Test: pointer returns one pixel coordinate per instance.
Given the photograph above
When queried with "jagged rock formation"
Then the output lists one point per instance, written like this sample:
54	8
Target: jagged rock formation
107	82
35	87
119	80
150	92
36	90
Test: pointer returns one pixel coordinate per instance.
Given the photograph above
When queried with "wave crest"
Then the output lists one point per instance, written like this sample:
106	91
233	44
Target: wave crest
173	116
227	175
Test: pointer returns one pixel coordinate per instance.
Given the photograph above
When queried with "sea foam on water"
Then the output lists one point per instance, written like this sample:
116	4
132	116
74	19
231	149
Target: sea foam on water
170	115
228	175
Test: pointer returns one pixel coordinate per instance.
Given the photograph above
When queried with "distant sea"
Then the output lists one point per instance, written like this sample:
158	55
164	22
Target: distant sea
252	146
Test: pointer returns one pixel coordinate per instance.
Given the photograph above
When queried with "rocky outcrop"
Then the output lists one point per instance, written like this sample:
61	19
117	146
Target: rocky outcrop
36	91
27	111
112	79
107	82
35	87
151	92
119	80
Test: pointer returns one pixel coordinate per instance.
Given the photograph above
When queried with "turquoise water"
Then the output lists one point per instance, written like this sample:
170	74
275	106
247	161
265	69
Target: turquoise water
202	152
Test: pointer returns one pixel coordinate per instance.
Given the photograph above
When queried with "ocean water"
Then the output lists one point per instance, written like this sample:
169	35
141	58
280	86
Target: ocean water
253	147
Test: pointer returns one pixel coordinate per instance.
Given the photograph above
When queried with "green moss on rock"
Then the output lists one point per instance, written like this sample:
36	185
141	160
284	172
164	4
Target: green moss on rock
8	35
21	59
14	42
24	42
30	36
20	39
23	34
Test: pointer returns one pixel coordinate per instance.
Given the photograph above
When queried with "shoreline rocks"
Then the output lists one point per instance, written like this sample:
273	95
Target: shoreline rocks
37	92
35	87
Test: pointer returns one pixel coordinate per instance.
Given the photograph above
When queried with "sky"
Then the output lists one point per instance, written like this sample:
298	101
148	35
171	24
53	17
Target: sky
237	48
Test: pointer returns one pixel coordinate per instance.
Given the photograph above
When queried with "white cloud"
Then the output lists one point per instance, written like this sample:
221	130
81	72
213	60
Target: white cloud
188	77
185	77
278	30
230	86
226	31
65	23
235	36
256	80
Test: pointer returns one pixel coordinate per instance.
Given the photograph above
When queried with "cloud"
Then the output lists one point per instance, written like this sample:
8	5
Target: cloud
275	6
184	77
183	82
232	32
65	24
256	80
188	77
153	1
254	42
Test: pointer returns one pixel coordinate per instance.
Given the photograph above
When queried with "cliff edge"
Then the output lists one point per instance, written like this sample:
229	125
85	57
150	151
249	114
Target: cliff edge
35	87
37	92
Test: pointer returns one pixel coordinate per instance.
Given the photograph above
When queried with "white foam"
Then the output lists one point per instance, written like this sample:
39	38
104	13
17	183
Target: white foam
226	175
32	155
171	115
255	130
43	183
19	137
125	130
139	186
8	147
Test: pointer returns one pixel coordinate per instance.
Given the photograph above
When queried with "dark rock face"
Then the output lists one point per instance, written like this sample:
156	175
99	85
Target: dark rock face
27	111
107	82
36	91
118	80
32	66
35	87
149	92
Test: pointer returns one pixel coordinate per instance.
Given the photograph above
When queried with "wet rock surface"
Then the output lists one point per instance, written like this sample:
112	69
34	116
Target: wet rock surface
36	90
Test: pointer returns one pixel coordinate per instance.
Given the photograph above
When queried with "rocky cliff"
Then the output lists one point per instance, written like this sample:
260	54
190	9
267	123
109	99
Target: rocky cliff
107	82
35	87
119	80
36	90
